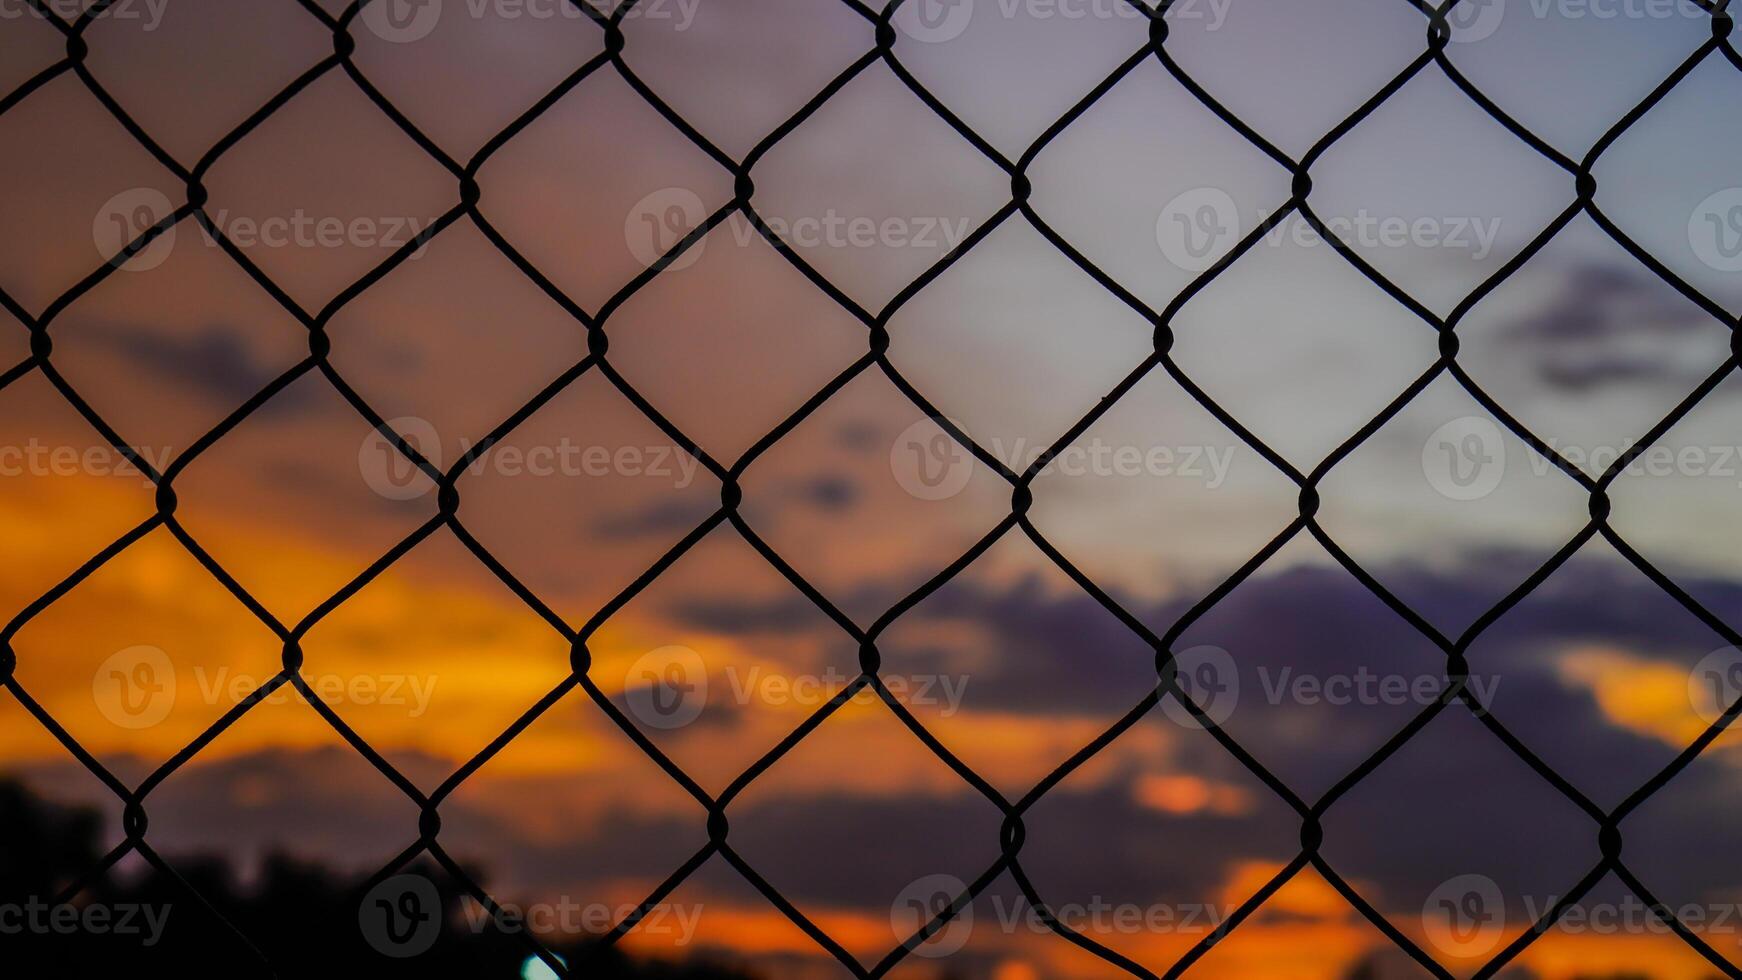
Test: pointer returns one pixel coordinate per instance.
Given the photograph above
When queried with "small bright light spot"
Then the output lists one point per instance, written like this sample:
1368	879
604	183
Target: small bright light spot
536	969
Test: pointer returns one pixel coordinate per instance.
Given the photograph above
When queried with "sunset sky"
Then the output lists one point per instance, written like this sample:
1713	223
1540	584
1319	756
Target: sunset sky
1012	665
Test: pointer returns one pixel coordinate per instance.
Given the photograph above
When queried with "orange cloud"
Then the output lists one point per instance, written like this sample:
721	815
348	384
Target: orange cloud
1644	696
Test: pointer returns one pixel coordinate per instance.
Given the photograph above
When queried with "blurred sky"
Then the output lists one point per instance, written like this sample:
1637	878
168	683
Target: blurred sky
1014	342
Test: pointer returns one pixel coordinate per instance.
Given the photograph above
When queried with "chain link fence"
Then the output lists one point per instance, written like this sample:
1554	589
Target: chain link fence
1439	24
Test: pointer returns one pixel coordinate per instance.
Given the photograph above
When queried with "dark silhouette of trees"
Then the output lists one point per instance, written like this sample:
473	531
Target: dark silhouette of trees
303	917
1395	965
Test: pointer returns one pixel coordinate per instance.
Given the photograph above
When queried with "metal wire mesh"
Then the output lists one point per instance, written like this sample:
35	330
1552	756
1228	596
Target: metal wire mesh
615	57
